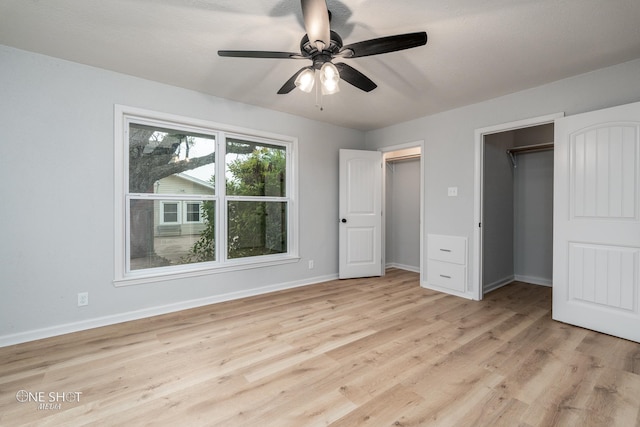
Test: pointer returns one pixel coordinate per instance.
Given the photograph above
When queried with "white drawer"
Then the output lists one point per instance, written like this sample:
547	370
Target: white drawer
447	275
447	248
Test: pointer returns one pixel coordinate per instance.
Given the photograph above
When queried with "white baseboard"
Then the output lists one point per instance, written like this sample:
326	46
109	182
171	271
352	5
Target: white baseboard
36	334
497	284
448	291
542	281
403	267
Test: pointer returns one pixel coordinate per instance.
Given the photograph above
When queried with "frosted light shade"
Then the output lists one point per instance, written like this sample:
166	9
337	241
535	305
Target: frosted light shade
305	80
329	78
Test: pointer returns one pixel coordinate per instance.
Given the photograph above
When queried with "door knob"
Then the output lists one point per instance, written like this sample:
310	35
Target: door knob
343	220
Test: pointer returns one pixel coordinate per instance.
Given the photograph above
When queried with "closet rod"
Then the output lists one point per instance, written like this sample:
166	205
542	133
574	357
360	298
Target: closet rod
528	148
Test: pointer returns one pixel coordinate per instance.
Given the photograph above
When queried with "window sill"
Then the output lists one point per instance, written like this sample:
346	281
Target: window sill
157	275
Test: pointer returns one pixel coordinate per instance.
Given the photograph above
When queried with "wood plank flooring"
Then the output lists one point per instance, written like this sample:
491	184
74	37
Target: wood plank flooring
363	352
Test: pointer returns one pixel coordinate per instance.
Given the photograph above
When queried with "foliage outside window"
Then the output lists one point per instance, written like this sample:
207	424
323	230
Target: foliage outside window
256	207
180	219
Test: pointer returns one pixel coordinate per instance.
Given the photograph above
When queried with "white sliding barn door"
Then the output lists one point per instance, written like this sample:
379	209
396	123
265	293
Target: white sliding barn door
596	265
360	236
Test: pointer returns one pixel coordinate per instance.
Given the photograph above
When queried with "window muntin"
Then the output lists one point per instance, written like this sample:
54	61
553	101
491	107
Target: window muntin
208	249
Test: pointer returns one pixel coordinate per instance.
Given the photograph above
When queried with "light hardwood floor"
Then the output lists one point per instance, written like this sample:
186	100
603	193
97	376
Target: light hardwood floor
364	352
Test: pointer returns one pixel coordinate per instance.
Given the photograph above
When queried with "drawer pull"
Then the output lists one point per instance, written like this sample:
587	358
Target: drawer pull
445	250
446	277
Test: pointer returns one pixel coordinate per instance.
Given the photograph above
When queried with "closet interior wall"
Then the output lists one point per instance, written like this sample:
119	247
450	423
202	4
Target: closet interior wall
402	212
517	241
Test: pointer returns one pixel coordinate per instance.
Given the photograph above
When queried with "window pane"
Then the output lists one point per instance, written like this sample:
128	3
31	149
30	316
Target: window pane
256	228
255	169
154	243
166	161
193	212
169	212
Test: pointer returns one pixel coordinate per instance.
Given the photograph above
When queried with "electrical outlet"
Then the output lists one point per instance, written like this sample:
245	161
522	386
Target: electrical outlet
452	191
310	264
83	299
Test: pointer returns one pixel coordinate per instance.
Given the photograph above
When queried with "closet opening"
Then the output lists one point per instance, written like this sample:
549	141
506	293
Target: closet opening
517	207
402	202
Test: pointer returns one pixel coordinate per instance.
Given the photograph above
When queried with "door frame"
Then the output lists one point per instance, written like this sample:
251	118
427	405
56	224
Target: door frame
385	150
479	190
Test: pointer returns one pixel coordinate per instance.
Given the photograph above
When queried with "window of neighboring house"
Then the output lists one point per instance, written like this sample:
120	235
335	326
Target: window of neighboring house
178	219
192	212
169	213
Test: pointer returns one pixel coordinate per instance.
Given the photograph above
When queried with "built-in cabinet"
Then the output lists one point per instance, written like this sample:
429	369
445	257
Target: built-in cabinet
447	262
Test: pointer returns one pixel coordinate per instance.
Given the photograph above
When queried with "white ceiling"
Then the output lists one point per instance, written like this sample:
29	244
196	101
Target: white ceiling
477	49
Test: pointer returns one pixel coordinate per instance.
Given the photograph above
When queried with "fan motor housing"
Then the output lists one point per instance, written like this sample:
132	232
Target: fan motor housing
307	48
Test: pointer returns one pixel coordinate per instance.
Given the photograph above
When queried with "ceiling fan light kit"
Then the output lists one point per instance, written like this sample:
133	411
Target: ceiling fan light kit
329	78
321	45
306	79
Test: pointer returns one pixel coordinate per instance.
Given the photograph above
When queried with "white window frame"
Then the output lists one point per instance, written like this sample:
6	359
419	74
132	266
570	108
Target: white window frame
123	276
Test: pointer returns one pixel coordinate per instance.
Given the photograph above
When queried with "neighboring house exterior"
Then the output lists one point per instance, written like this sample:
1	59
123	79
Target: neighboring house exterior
179	217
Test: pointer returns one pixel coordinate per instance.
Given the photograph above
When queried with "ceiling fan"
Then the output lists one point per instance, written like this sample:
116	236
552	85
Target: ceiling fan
321	45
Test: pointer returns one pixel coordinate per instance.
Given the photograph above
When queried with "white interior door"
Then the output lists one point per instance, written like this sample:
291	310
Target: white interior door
596	265
360	237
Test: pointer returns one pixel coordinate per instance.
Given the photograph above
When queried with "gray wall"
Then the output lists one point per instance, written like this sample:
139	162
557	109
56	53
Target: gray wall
402	230
57	170
450	141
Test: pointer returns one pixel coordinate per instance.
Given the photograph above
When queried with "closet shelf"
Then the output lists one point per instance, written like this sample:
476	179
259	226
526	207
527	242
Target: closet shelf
406	157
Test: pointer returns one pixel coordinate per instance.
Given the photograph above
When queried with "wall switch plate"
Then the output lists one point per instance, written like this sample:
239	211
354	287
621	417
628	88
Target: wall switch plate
83	299
452	191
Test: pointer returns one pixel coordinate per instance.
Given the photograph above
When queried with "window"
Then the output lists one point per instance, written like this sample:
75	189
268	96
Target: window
169	213
256	198
193	212
174	218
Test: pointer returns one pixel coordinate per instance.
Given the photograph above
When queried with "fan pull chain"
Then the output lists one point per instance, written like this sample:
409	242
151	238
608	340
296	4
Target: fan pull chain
319	96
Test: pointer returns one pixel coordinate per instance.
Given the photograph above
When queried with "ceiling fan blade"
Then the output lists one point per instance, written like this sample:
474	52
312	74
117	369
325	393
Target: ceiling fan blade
260	54
291	83
316	22
355	77
383	45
